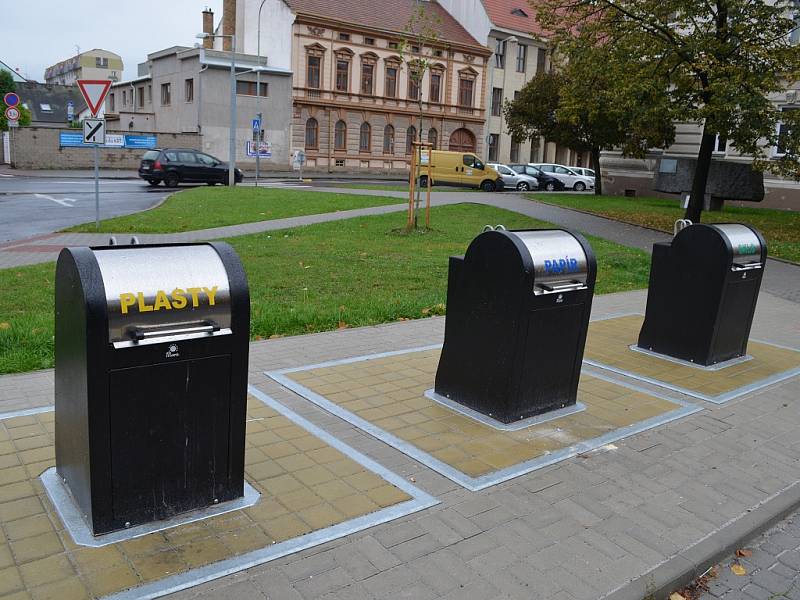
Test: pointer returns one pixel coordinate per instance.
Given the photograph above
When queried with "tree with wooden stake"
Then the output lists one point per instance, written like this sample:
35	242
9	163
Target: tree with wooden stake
723	64
420	39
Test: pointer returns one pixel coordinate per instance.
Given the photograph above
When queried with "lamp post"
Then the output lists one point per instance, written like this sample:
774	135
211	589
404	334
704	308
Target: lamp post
232	134
258	94
506	41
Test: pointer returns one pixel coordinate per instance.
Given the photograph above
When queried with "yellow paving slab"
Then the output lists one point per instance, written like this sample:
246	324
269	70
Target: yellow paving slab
469	446
305	485
608	345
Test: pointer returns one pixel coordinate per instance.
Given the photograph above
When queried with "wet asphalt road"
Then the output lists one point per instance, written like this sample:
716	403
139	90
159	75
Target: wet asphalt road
32	206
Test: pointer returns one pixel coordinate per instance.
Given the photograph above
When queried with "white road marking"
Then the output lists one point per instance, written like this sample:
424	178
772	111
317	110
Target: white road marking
4	175
62	201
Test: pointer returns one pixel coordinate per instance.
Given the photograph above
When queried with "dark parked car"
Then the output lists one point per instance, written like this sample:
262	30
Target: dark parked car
183	165
546	180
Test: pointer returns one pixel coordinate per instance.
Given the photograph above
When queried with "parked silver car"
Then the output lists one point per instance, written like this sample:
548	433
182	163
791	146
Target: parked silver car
584	171
571	179
519	181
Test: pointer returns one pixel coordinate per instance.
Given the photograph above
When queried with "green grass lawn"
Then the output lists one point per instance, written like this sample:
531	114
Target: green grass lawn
401	187
317	278
205	207
781	228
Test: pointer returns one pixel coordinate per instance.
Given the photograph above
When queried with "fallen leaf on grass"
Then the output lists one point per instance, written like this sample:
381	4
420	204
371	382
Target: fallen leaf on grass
742	553
738	570
5	325
275	336
342	325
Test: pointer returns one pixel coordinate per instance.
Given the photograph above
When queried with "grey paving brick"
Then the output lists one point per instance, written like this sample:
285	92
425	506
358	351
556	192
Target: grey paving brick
317	585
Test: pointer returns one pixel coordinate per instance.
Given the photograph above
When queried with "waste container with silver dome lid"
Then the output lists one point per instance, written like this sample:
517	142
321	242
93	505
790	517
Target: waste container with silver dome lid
703	290
151	351
518	306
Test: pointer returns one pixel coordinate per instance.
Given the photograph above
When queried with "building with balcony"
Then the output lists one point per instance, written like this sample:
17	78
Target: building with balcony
94	64
354	105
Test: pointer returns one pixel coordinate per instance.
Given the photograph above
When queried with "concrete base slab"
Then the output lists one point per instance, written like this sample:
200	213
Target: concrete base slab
608	347
385	395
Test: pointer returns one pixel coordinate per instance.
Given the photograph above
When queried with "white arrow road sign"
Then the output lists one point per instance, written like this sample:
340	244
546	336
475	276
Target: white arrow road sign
62	201
94	131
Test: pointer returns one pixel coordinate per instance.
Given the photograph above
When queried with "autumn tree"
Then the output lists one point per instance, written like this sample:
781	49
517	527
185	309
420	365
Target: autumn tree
723	63
578	106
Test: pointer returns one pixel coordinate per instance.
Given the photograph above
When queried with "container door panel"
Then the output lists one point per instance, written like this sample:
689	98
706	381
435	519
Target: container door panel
169	421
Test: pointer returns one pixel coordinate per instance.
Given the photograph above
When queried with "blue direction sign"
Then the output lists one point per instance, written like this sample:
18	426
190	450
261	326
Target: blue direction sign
70	110
256	125
11	99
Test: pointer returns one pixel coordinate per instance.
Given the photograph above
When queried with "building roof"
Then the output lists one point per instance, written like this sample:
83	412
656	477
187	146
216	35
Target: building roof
14	75
74	62
510	14
388	16
39	97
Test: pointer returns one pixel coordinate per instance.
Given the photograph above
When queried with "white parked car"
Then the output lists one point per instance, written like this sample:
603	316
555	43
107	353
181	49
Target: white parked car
584	171
512	179
571	179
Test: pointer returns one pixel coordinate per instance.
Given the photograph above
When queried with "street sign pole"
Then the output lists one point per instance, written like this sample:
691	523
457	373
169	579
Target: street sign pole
97	187
94	130
258	141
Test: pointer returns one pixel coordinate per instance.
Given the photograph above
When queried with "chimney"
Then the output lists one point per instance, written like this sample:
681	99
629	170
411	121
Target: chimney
208	27
228	22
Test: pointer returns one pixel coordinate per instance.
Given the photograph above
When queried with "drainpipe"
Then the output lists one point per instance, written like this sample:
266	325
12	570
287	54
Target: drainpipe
201	56
330	149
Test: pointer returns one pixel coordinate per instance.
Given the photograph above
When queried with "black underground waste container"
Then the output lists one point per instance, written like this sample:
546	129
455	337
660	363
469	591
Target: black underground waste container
703	291
518	306
151	353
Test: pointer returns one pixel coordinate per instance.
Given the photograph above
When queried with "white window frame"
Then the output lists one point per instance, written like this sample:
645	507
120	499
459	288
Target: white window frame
717	151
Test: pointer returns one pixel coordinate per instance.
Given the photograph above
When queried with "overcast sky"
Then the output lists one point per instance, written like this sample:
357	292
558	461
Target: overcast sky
35	34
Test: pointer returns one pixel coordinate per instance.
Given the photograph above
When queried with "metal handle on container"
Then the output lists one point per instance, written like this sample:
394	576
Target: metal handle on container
140	333
746	266
562	287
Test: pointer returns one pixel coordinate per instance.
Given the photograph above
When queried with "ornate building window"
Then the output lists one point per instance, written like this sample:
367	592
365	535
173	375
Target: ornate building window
435	93
433	138
390	84
411	136
368	62
466	87
313	71
340	136
365	138
312	134
343	59
388	140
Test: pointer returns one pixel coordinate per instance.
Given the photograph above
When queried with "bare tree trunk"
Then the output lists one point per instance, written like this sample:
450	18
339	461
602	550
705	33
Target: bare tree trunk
598	180
697	198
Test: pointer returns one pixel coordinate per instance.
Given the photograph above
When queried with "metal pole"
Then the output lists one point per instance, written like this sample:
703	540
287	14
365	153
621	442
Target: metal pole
258	94
258	140
96	188
232	140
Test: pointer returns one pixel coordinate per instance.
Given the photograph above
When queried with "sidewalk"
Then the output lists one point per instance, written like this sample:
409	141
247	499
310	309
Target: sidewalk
618	522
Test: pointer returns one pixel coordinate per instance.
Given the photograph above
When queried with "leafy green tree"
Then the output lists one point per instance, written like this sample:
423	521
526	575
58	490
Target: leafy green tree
723	62
7	85
578	105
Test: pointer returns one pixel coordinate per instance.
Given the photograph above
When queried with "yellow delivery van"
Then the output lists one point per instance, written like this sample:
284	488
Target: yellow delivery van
458	168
